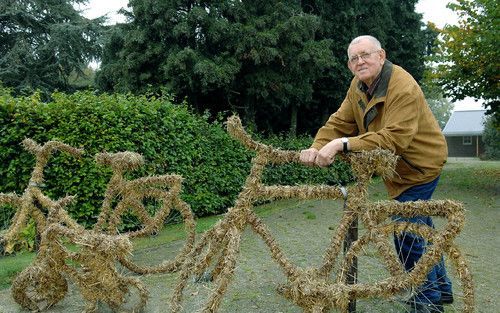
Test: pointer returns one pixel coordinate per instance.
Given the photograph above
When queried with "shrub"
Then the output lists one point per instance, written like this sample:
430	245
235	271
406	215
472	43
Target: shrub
170	137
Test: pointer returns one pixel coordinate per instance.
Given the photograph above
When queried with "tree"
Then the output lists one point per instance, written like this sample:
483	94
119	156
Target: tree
470	55
82	80
279	64
240	56
278	74
491	139
406	40
440	106
394	22
110	68
338	24
43	42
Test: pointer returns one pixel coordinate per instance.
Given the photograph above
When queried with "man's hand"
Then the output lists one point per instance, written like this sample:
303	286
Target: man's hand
323	157
327	154
308	156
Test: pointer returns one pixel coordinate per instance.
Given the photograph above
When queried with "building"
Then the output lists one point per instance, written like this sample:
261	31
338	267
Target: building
463	132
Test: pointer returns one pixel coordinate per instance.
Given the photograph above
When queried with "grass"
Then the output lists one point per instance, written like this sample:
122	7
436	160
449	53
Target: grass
11	265
309	215
475	183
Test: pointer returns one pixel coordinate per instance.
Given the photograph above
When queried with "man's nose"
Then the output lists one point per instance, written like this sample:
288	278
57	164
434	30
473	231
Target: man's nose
360	59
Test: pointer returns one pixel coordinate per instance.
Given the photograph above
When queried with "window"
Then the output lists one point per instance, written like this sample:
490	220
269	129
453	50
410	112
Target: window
467	140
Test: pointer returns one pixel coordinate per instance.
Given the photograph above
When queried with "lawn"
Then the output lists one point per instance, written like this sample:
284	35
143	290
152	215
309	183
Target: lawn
303	229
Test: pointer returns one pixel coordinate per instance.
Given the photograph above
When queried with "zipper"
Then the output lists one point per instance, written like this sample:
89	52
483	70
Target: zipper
412	166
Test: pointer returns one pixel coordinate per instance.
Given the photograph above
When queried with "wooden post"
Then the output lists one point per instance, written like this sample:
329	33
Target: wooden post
351	236
477	146
352	274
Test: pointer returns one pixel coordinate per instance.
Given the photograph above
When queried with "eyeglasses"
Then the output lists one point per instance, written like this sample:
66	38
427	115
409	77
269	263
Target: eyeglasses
364	56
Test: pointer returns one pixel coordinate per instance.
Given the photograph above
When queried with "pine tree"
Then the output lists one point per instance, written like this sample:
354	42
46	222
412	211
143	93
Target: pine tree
240	56
43	42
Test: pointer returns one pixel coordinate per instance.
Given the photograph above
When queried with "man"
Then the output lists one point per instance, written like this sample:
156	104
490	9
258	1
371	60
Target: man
385	108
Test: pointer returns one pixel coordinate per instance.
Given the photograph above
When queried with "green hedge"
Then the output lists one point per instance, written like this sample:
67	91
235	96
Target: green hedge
170	137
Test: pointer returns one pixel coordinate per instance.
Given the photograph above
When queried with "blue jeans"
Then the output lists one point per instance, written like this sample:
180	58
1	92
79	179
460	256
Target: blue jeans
410	247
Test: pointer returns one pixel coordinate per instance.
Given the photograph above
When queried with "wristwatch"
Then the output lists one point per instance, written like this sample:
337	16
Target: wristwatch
344	144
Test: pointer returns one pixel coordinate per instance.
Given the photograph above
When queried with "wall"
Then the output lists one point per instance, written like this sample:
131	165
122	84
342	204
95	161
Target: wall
456	148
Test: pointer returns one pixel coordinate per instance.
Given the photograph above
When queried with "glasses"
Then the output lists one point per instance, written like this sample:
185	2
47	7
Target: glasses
364	56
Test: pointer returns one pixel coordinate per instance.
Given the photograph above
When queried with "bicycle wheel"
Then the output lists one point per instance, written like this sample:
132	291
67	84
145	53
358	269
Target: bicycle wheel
384	286
38	287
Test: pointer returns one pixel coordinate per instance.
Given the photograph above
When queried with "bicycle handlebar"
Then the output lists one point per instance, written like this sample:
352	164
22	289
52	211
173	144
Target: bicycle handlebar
382	162
49	147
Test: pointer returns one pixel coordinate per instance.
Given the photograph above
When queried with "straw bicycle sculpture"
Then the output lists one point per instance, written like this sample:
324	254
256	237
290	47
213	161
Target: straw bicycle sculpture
93	267
320	289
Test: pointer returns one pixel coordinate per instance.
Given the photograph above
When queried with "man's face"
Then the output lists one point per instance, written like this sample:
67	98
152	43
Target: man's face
365	61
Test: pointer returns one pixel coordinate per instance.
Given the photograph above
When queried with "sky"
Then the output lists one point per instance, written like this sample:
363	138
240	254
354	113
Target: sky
432	10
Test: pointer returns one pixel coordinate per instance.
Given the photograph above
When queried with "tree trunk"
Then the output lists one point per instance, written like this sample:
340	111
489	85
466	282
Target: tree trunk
250	112
293	121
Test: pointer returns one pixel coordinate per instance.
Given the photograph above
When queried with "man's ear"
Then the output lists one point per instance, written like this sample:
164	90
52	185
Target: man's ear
382	55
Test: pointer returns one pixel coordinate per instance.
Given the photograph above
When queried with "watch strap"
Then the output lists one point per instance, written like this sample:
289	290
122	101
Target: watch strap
344	144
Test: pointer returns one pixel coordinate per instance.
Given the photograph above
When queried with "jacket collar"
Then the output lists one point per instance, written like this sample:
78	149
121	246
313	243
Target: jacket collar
379	94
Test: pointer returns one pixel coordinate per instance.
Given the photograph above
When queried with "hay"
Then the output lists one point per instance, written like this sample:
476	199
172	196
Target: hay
313	289
92	268
44	282
38	287
129	196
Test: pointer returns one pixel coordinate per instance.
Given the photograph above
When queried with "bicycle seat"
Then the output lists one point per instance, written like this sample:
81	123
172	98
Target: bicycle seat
120	160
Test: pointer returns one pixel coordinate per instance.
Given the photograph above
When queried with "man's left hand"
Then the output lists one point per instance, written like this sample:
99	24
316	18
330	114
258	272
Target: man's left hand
326	155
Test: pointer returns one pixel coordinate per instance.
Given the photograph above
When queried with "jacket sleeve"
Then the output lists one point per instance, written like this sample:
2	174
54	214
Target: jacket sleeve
401	120
340	124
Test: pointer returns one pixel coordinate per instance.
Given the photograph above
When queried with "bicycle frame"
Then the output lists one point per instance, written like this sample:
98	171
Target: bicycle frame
33	203
311	288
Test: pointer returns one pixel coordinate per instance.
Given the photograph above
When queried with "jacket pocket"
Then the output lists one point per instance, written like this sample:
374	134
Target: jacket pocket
404	167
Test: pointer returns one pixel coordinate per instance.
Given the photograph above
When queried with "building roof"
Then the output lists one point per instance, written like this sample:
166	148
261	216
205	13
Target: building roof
465	123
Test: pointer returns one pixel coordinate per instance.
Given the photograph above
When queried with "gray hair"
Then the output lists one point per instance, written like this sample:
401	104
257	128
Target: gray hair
372	39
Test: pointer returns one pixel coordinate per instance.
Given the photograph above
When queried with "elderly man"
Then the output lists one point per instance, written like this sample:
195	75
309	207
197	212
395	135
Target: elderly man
385	108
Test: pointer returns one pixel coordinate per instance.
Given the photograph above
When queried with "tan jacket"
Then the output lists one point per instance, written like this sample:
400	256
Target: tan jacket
397	118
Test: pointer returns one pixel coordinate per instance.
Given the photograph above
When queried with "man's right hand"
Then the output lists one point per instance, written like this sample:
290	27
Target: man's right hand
308	156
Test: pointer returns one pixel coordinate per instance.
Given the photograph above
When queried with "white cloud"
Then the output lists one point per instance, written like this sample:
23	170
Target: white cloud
436	11
96	8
